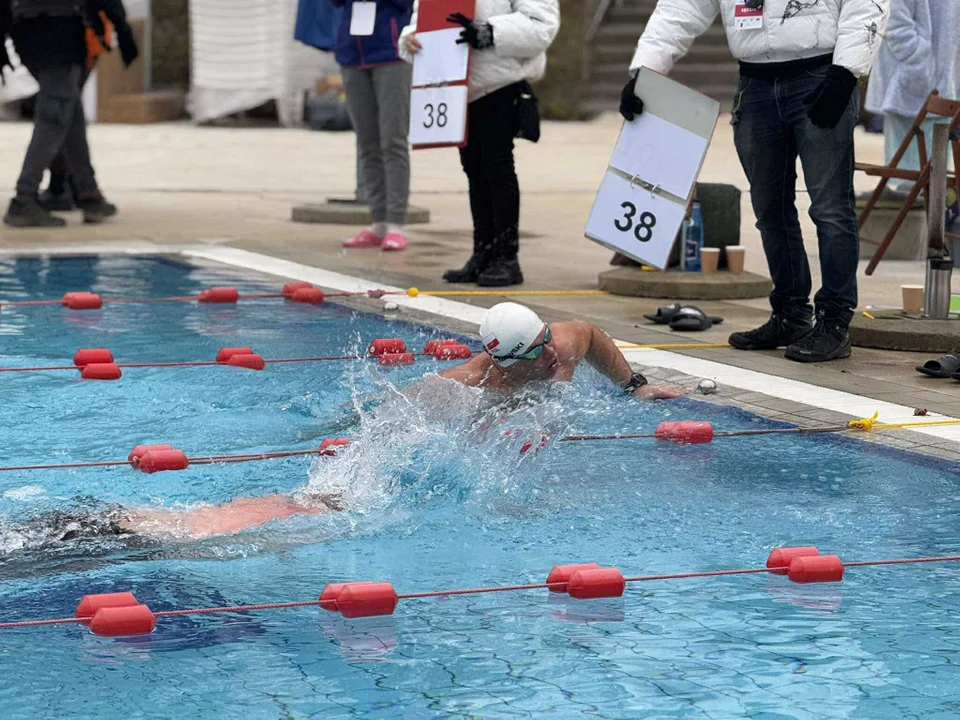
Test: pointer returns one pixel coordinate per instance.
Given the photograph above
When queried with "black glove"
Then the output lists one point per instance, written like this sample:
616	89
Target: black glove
478	35
630	104
128	45
829	101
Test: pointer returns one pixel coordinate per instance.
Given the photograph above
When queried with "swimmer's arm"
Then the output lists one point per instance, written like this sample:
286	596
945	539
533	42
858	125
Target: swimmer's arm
601	352
596	347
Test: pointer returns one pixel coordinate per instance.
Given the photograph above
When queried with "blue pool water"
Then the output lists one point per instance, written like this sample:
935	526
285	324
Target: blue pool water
438	500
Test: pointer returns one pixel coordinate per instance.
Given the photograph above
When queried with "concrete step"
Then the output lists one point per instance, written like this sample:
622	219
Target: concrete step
143	108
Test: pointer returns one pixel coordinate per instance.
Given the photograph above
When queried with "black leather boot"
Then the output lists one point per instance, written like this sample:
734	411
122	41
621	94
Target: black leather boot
504	269
477	263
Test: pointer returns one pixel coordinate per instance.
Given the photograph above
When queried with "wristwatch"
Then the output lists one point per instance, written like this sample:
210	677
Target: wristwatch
636	381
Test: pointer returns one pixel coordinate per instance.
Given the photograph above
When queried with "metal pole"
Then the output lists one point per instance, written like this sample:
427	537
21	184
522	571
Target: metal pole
937	286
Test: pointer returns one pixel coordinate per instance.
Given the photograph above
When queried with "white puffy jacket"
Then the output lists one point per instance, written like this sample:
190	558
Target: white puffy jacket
792	30
522	32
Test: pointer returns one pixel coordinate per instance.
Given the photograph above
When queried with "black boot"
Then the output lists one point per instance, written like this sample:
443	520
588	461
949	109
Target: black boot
477	263
775	332
830	340
502	272
504	268
95	208
26	211
58	197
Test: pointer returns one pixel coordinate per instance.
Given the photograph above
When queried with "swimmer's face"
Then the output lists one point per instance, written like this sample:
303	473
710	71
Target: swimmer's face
546	361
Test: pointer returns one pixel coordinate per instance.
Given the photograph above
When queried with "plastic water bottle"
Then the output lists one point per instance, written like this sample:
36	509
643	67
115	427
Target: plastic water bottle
693	239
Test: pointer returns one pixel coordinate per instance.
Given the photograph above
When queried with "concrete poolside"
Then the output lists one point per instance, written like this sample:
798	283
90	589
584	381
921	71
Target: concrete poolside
181	185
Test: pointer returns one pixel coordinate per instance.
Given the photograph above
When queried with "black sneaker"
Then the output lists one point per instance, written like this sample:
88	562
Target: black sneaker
26	211
469	272
56	202
501	273
96	209
829	340
775	332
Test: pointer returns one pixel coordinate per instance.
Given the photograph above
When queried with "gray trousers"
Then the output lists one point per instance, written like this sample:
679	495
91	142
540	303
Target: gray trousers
378	100
58	122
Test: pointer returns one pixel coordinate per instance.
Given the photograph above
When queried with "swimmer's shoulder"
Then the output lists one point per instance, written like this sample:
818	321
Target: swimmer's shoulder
475	372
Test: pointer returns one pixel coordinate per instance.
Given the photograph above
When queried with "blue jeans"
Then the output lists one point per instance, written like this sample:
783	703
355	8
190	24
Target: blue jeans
771	129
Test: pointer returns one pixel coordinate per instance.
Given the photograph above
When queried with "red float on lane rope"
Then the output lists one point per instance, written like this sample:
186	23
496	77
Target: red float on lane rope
121	621
101	371
397	359
816	569
782	557
82	301
601	583
431	347
86	356
452	352
329	446
383	346
686	432
308	295
227	353
290	288
368	599
331	594
251	362
219	295
160	460
562	574
140	450
90	604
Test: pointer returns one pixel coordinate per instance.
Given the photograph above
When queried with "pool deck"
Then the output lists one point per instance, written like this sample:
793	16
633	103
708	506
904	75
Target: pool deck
179	186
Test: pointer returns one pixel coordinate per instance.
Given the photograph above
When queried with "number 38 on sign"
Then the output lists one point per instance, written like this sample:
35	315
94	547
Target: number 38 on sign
635	221
438	115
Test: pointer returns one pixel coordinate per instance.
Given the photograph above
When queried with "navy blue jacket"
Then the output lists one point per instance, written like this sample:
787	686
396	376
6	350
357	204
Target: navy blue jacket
379	48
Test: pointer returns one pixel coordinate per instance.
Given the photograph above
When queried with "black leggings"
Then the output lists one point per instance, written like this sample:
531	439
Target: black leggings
487	160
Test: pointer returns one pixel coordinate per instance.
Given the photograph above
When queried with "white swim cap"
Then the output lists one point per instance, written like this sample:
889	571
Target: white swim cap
509	329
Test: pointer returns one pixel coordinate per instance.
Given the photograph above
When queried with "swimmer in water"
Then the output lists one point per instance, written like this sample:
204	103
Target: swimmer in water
520	348
104	521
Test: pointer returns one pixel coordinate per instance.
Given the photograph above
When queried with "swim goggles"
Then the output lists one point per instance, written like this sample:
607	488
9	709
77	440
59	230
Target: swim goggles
753	4
531	354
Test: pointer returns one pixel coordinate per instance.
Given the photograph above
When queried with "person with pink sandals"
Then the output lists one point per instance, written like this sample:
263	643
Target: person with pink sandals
377	85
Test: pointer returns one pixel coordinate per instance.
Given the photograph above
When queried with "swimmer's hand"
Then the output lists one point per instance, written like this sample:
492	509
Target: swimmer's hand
658	392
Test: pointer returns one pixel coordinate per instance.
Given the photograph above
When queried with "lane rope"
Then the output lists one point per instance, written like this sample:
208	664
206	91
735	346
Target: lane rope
118	614
682	432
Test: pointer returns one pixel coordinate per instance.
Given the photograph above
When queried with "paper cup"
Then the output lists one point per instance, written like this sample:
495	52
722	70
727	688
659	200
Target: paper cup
709	259
735	257
912	298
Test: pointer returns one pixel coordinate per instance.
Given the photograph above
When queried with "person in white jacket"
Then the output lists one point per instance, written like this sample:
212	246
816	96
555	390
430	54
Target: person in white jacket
920	53
509	40
800	61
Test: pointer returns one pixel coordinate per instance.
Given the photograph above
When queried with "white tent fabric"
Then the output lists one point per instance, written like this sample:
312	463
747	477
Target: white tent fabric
243	54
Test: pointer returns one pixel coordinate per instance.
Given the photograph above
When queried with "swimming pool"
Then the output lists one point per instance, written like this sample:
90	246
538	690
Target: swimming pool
438	500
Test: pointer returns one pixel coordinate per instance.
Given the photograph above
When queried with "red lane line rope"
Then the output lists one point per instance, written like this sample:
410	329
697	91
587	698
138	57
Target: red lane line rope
65	466
237	608
476	591
36	623
903	561
207	363
187	298
200	460
35	369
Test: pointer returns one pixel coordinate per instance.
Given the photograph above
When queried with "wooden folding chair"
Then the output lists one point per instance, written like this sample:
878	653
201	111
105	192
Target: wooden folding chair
935	105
